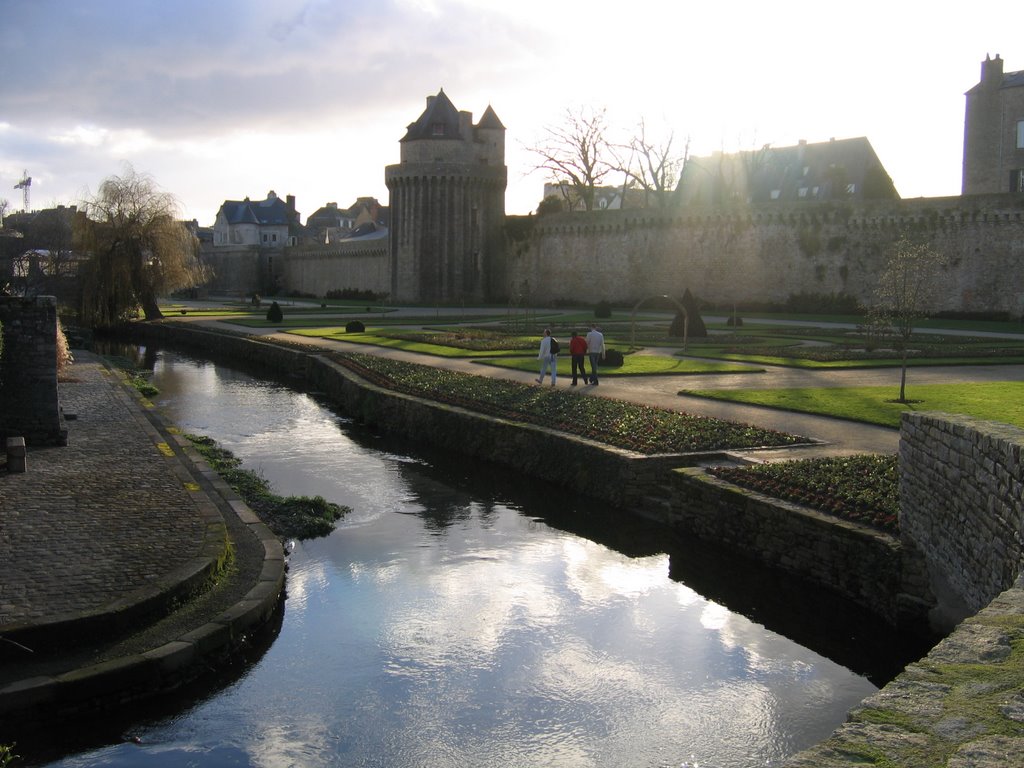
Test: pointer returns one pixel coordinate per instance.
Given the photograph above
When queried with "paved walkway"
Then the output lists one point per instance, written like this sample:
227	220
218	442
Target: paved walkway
95	521
101	543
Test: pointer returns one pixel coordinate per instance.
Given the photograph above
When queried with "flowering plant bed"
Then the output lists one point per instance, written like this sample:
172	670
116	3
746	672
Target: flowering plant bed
863	489
639	428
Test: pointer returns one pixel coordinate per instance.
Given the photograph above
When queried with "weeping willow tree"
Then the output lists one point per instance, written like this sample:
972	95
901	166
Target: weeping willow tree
137	250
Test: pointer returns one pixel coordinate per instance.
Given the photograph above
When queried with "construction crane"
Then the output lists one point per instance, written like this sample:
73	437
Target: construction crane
23	185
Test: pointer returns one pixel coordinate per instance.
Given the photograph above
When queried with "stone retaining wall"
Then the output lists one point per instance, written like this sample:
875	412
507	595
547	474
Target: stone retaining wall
622	478
962	500
856	562
853	560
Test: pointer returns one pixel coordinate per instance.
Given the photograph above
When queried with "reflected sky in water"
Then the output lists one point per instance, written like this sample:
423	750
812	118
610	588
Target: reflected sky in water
445	623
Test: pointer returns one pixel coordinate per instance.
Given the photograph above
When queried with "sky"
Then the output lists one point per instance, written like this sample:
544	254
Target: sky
231	99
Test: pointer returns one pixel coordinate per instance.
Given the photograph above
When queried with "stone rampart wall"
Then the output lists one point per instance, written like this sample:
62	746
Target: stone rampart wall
237	269
29	404
356	265
767	254
962	502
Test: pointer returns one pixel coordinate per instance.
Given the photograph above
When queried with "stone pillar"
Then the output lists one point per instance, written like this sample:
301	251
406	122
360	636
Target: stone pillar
29	405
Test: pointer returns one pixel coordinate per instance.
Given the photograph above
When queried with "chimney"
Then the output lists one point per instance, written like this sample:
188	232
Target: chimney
992	72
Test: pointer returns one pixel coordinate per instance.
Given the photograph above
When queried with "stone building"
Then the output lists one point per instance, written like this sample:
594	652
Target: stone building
270	223
833	170
994	132
448	206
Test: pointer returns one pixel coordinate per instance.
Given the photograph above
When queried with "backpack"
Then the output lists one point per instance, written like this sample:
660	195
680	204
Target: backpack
554	346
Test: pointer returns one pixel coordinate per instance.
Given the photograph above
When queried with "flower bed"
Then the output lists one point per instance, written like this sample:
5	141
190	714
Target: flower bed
639	428
862	489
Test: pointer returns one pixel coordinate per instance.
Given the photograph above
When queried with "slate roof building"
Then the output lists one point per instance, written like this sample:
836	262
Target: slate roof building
838	169
270	223
994	132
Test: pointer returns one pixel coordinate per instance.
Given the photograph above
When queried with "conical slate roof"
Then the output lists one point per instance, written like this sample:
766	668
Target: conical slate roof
490	119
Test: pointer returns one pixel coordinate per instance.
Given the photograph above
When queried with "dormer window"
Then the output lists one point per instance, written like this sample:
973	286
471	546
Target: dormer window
437	129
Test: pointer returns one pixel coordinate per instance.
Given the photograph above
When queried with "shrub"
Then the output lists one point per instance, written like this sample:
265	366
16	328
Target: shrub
603	309
274	314
734	320
612	358
356	294
354	326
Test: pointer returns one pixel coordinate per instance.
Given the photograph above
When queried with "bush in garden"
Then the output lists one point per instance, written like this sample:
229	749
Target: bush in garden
274	314
612	359
354	326
603	309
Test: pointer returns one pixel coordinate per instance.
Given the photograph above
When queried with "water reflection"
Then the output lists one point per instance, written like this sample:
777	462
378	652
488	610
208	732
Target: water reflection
460	616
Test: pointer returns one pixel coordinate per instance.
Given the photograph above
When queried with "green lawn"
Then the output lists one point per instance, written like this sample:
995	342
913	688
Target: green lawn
424	348
633	365
796	362
1001	401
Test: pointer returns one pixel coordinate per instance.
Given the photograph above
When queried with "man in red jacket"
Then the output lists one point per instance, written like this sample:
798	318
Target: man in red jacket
578	349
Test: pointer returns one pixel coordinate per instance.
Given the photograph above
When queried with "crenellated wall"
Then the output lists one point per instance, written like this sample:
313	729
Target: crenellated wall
765	254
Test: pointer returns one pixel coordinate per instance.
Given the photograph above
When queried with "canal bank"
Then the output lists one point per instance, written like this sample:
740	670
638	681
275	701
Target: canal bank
129	567
960	705
919	702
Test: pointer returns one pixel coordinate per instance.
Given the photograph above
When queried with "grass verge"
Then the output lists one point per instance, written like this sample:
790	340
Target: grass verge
1001	401
289	517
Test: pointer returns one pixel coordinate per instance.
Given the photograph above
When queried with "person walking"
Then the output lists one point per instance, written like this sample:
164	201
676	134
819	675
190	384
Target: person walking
577	348
548	356
595	349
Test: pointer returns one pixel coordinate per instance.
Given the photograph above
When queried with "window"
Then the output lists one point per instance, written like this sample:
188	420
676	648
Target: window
776	193
802	192
437	129
851	188
1020	134
1017	180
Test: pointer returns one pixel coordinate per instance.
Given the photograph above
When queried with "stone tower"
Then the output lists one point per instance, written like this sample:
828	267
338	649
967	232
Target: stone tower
994	132
448	207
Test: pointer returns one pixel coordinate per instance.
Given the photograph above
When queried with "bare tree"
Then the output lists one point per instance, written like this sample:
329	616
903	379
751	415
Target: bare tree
575	154
652	166
907	292
137	249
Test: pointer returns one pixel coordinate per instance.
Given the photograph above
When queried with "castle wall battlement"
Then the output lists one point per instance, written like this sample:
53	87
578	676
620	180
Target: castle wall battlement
769	253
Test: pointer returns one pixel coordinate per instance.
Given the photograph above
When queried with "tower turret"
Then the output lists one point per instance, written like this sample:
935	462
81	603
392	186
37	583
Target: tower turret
448	206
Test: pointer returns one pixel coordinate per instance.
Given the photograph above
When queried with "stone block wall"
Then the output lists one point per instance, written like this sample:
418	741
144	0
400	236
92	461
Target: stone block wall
767	253
361	265
29	404
962	505
853	560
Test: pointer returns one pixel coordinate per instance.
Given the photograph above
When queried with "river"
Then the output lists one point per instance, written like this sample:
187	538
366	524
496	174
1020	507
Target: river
462	615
